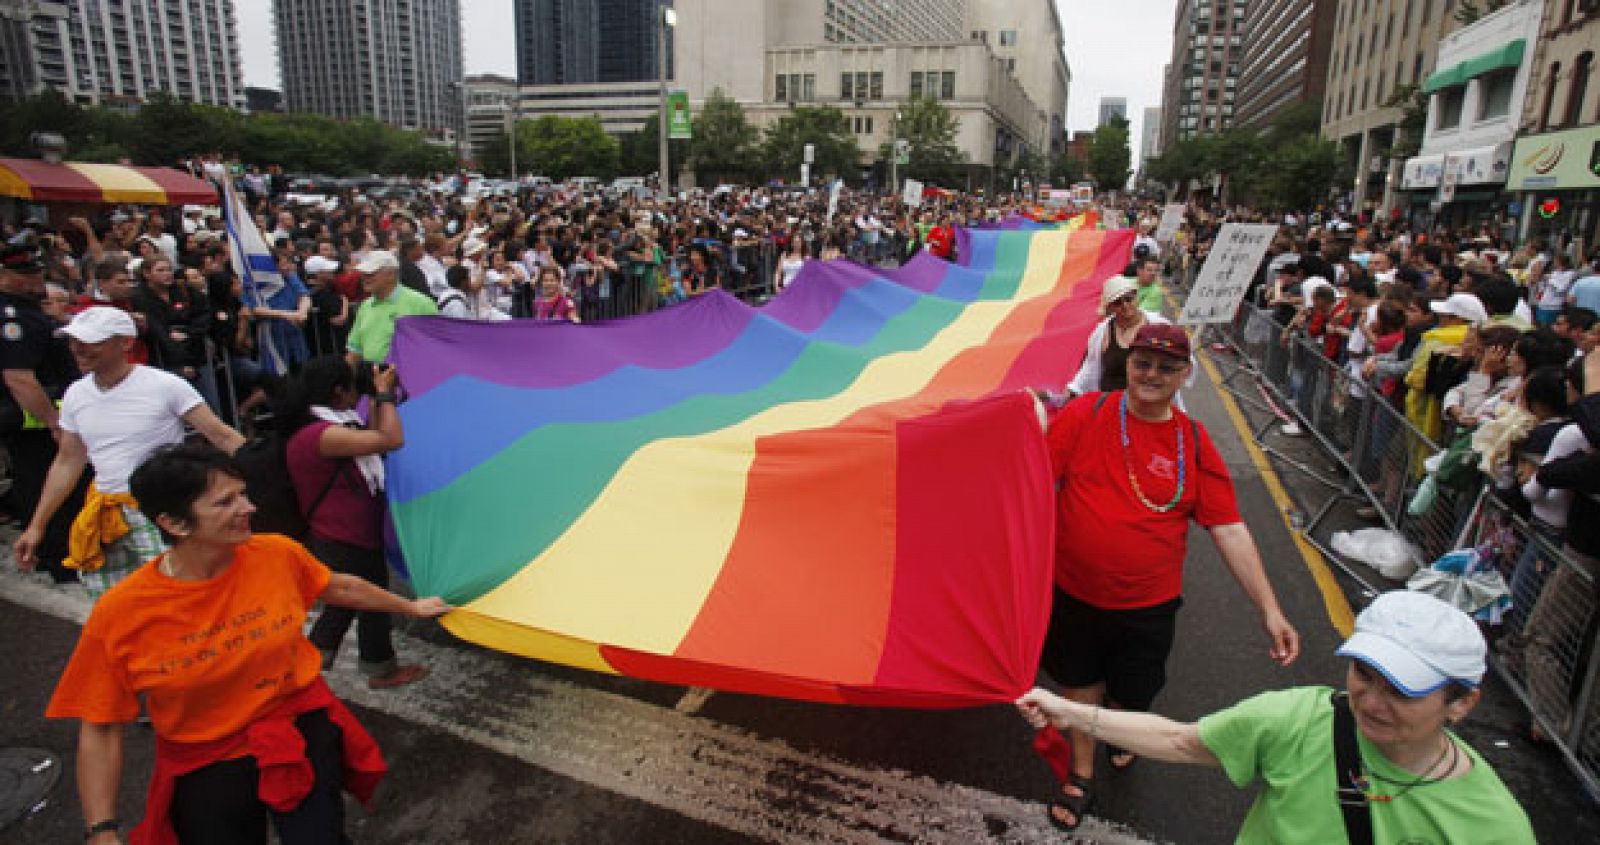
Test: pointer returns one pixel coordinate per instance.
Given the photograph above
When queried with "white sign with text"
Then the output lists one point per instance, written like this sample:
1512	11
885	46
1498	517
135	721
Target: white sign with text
1171	219
913	193
1235	255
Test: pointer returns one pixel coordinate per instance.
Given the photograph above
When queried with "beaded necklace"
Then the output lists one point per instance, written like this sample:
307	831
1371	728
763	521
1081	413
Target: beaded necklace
1133	478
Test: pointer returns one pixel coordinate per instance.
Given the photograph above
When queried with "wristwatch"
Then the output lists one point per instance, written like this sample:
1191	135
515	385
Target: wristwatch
383	397
107	826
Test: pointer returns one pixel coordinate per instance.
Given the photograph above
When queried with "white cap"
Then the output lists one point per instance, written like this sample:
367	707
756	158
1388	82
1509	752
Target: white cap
472	246
1418	643
99	323
318	264
1116	288
1463	305
376	260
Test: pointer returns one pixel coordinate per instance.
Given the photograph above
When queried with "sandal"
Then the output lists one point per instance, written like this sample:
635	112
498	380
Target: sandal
1077	805
398	677
1128	758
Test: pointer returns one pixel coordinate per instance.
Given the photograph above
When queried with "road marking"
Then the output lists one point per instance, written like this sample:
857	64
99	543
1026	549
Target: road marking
1333	598
715	773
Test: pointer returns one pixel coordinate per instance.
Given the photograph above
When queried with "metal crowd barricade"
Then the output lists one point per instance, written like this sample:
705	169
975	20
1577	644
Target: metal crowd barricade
1369	455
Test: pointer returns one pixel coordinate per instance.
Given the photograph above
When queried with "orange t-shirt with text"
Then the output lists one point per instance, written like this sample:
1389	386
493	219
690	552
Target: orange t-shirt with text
210	656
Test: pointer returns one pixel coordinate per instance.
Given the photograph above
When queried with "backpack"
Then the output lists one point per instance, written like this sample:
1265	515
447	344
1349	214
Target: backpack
264	461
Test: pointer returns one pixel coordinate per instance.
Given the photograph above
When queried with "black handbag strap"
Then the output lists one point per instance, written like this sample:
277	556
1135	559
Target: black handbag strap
1352	797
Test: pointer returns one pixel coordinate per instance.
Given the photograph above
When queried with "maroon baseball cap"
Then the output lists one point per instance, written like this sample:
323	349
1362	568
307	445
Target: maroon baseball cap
1164	338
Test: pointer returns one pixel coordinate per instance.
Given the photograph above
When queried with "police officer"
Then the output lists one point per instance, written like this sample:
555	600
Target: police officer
37	367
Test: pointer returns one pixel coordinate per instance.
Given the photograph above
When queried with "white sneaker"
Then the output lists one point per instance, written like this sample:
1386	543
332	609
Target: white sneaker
1291	429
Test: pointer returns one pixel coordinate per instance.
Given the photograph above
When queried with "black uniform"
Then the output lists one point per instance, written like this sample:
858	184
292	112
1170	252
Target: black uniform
28	342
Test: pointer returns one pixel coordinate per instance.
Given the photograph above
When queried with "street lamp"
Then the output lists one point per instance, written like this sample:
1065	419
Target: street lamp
669	18
894	155
513	111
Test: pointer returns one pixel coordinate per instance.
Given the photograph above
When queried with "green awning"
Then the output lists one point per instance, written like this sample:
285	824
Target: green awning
1506	55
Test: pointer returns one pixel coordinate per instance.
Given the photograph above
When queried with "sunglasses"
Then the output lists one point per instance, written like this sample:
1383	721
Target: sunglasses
1145	365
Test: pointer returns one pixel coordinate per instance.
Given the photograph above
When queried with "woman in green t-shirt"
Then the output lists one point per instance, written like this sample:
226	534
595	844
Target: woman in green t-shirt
1415	668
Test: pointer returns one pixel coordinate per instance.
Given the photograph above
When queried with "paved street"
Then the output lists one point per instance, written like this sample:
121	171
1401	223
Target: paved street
497	749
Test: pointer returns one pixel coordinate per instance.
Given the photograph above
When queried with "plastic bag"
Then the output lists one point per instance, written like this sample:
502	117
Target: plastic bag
1468	581
1422	500
1385	551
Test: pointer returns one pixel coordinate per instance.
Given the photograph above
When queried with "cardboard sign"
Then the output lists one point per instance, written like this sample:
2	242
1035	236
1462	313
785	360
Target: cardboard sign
912	195
1227	273
1171	221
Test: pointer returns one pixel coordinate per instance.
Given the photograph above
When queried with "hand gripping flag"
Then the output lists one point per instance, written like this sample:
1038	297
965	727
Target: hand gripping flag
843	496
252	261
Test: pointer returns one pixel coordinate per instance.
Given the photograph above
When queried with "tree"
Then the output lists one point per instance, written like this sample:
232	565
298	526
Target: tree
1065	170
823	126
563	147
930	131
1110	160
166	129
724	142
1468	12
638	153
1300	173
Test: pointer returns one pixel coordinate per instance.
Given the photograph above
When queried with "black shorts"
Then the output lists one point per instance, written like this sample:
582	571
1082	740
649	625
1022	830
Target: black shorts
1125	649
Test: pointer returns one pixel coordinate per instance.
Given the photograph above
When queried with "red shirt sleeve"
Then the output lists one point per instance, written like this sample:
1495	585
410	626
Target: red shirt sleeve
1062	436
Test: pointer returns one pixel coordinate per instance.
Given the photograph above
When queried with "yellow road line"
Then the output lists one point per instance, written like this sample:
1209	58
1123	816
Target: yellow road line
1338	607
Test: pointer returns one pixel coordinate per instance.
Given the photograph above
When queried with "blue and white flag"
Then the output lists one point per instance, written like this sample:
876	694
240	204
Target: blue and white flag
254	263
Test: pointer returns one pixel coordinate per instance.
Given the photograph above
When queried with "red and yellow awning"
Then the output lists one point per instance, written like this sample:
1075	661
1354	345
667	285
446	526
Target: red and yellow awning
41	181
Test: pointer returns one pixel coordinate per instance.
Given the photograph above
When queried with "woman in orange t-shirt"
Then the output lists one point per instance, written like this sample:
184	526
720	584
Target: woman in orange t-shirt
210	635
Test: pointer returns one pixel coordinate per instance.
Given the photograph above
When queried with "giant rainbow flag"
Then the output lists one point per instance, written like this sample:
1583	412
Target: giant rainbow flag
843	495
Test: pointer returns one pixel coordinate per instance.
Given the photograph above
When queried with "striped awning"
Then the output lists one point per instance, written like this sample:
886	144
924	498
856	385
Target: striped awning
41	181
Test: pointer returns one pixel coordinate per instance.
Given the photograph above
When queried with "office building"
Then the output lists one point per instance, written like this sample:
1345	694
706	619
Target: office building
398	61
567	42
1150	134
814	52
1026	36
1555	166
1380	49
1475	96
1203	77
120	54
1285	58
1112	107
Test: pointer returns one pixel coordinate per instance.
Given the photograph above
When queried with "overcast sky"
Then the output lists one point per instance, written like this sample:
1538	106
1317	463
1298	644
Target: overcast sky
1114	49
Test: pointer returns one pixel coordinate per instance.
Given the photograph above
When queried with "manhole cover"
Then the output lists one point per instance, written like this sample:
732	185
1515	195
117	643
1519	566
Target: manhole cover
26	776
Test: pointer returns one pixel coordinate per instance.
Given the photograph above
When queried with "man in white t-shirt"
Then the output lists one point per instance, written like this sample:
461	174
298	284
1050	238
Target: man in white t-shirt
113	418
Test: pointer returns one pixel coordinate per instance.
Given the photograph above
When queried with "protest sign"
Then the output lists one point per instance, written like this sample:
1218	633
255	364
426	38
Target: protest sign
1227	273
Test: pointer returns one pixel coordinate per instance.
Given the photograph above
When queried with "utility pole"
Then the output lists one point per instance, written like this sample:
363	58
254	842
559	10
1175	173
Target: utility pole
512	112
667	18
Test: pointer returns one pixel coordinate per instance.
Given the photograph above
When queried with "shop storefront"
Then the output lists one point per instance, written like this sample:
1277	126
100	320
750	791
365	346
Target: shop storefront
1557	175
1461	190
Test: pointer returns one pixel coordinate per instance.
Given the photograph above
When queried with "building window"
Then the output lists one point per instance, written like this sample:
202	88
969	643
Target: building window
1450	103
780	89
1549	94
876	90
847	86
808	91
1008	38
1494	91
947	85
916	84
1579	88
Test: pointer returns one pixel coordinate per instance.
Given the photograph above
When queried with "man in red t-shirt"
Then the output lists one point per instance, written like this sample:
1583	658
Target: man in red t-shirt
942	240
1133	472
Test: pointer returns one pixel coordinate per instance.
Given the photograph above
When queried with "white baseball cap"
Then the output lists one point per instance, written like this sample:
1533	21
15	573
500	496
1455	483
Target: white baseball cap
376	260
1464	305
472	246
1116	288
318	264
1418	643
99	323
